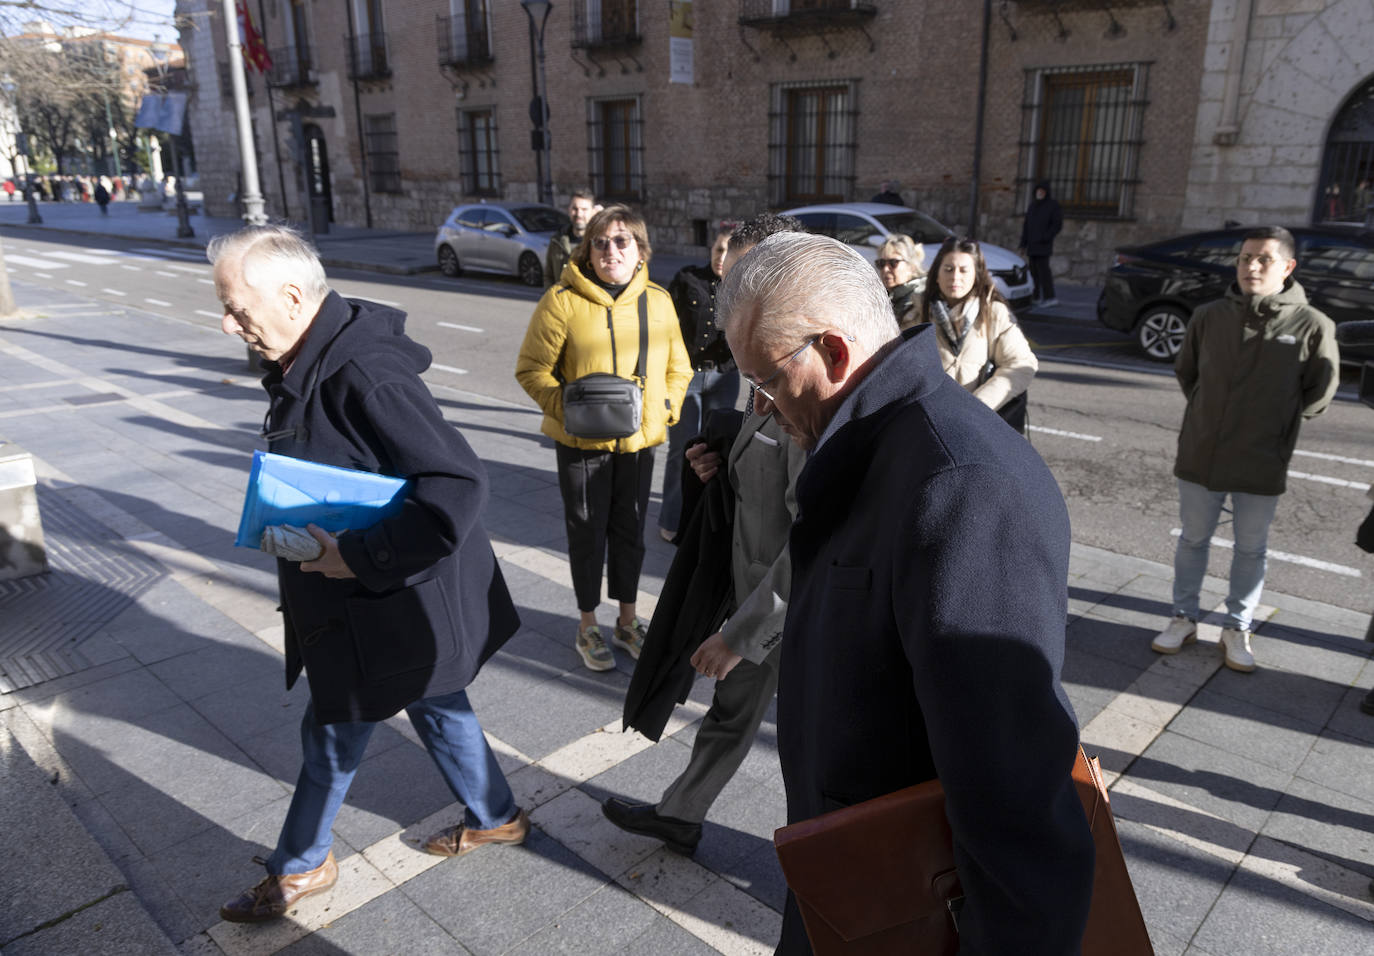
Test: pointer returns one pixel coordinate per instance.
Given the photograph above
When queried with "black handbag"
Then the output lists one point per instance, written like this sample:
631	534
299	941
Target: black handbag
1015	411
603	405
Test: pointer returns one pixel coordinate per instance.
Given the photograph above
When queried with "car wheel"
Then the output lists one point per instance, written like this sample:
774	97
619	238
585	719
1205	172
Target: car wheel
529	270
1160	332
448	261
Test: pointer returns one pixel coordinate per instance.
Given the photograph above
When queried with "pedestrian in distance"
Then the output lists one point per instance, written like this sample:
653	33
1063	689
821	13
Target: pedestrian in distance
1044	221
399	616
900	265
925	625
581	207
888	193
102	198
1254	365
761	469
715	382
589	322
980	343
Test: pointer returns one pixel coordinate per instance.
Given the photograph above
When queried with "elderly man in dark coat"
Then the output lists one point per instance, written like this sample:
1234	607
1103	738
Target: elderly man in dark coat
397	616
925	633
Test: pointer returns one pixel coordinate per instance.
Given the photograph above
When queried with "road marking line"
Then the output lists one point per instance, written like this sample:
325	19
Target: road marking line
213	315
43	275
358	295
194	270
1341	458
1064	434
99	260
35	263
75	282
114	292
174	253
449	368
465	328
207	281
1290	558
1357	485
169	275
165	305
133	268
1070	345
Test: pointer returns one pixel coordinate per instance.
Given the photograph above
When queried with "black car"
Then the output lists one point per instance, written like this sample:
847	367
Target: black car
1153	289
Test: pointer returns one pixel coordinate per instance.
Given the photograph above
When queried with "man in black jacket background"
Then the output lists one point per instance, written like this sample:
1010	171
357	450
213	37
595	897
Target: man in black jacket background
1044	221
396	616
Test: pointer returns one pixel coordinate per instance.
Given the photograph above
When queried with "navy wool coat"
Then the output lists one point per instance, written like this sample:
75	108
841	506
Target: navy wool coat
925	637
429	604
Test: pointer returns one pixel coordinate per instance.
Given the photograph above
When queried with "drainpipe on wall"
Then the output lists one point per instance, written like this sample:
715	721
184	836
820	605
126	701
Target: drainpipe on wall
1228	130
978	123
358	110
272	118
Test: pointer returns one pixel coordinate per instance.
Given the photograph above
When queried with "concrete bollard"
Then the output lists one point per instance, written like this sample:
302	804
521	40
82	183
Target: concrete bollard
22	552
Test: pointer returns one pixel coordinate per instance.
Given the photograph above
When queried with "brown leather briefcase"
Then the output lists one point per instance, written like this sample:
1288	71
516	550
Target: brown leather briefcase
857	898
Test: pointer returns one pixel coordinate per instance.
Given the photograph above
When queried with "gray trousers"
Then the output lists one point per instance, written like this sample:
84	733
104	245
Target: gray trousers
724	738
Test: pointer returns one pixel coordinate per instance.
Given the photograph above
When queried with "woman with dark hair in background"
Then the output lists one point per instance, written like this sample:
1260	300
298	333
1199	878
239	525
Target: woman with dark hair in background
1044	220
981	346
715	381
589	322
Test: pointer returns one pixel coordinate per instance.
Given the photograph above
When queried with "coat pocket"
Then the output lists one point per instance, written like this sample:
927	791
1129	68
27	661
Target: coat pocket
403	631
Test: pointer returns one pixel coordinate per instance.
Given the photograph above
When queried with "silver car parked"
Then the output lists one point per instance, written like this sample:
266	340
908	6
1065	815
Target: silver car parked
506	237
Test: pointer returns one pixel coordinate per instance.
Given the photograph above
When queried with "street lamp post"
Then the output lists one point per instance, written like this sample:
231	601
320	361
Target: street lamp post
540	140
184	230
114	138
254	209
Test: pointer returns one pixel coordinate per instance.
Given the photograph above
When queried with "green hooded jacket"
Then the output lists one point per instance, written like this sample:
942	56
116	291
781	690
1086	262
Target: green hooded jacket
1252	368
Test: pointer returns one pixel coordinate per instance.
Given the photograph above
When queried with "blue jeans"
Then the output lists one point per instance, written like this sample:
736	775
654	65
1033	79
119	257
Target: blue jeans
708	391
332	752
1199	509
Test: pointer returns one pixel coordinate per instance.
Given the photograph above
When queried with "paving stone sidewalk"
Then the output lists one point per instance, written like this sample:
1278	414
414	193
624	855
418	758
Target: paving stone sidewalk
138	784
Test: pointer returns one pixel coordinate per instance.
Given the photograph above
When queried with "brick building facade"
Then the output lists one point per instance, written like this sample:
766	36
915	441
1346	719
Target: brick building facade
408	106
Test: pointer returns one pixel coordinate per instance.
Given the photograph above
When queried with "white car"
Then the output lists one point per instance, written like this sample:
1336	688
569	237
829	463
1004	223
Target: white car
866	225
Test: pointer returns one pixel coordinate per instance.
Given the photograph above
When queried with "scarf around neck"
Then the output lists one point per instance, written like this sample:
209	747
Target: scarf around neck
945	322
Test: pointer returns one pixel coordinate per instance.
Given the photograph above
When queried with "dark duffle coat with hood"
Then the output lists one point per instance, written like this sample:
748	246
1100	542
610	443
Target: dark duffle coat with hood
429	604
924	638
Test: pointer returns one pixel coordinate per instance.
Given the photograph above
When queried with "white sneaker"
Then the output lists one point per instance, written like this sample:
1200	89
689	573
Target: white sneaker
1179	632
1235	644
1049	303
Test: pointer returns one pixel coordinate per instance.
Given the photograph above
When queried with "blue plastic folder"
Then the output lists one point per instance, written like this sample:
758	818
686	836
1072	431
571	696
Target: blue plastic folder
283	490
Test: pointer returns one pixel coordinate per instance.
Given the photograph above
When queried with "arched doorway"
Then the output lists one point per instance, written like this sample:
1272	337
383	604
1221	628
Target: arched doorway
317	171
1346	191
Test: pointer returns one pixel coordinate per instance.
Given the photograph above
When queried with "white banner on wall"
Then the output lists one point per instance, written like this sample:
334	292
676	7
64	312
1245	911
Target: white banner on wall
680	54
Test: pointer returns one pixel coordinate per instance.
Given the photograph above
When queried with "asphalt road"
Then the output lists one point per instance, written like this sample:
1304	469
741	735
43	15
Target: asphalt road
1105	419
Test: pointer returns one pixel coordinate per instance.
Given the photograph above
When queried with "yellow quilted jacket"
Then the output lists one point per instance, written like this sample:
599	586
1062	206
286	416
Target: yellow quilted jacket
569	337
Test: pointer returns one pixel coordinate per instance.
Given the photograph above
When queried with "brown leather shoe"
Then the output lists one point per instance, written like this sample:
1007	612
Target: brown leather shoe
275	895
457	840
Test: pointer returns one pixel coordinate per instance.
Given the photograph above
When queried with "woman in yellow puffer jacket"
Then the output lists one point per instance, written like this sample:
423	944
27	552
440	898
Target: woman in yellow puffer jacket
605	482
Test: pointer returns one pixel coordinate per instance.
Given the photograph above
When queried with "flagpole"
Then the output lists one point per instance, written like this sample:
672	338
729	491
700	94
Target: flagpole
254	212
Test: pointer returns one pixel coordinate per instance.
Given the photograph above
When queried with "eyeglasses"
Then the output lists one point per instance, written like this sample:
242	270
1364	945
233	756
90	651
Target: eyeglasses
761	387
888	263
602	243
1245	258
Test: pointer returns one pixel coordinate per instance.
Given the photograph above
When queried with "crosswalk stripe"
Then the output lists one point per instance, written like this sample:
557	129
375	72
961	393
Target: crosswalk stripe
173	253
104	260
34	263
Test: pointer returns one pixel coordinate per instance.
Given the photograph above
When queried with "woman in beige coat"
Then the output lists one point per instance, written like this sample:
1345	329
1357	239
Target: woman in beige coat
588	321
981	346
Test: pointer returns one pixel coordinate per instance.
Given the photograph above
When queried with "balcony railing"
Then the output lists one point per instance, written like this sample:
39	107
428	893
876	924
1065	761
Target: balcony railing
367	59
617	25
292	66
462	42
763	13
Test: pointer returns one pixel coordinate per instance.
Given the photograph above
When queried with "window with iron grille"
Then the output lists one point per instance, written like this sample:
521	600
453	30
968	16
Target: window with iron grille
811	143
605	22
1081	132
383	159
478	156
1346	193
615	147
